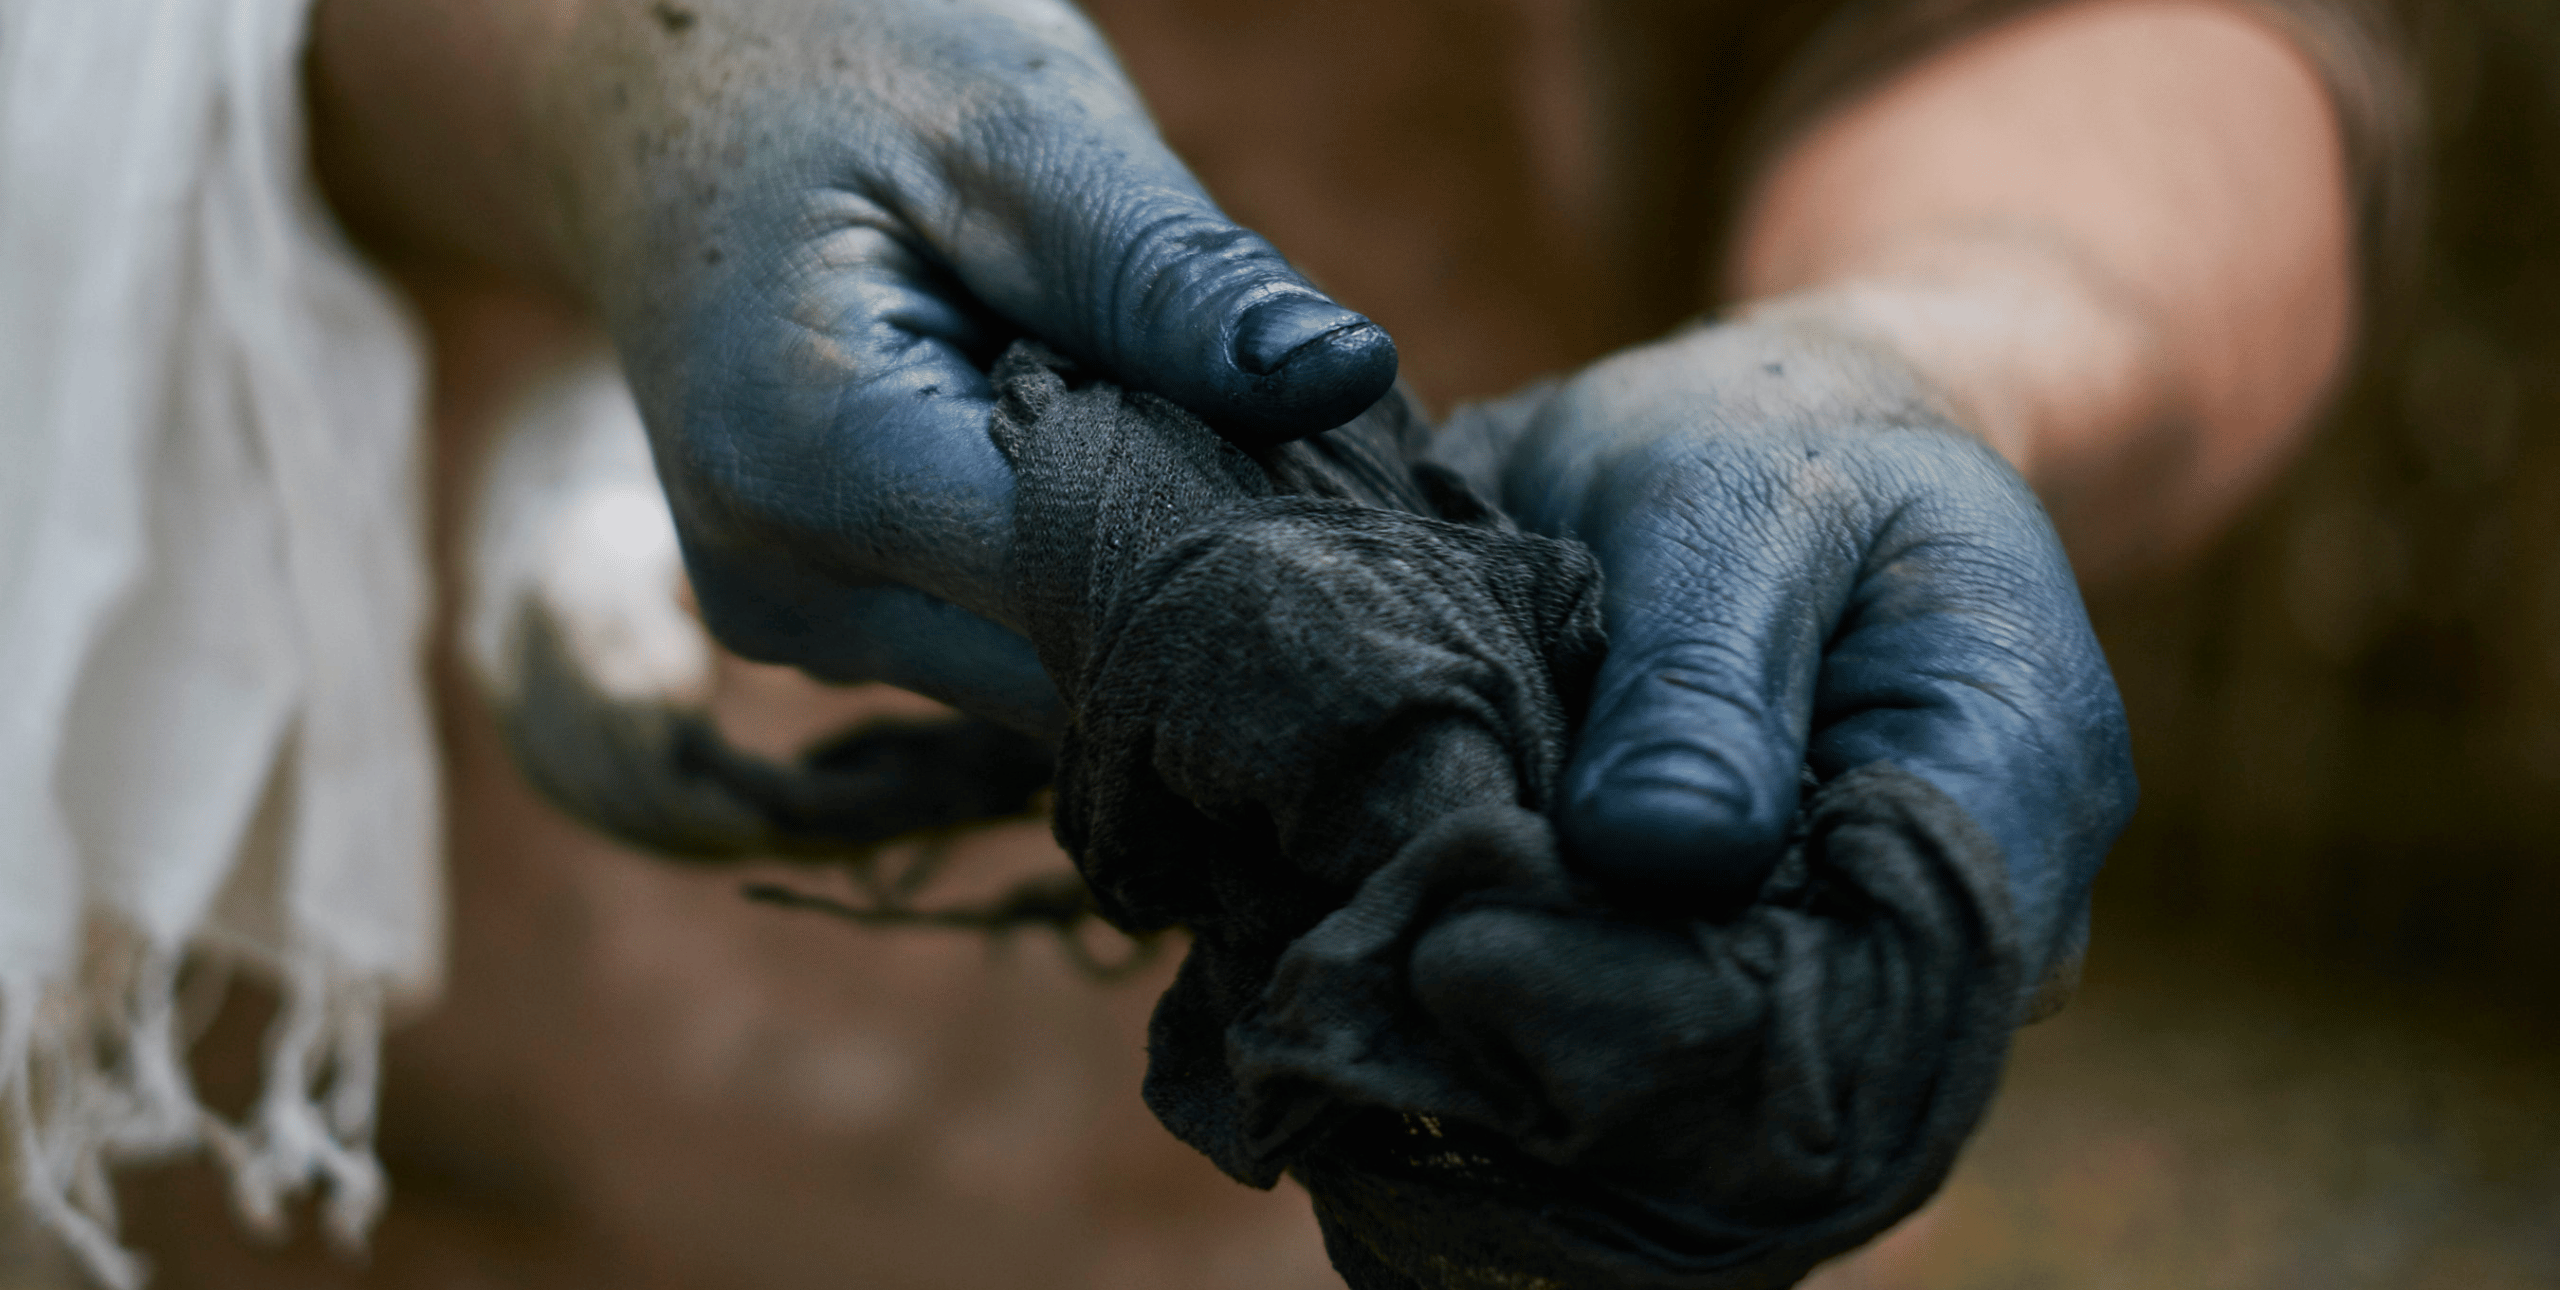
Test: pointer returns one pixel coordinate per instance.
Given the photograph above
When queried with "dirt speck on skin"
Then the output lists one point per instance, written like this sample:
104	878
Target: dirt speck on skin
674	17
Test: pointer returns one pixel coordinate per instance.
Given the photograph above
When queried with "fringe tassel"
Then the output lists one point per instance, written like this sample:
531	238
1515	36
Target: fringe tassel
95	1077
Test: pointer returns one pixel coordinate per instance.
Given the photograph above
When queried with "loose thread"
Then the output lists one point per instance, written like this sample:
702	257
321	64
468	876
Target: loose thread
1060	904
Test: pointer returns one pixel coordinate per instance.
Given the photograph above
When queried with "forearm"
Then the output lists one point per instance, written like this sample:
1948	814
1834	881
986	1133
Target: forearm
2112	238
422	124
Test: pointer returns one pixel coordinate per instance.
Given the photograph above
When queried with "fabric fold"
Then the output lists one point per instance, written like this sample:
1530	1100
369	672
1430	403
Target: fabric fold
1321	696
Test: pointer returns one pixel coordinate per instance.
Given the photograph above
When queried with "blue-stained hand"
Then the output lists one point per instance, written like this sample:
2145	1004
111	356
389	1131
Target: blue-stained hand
1809	569
812	223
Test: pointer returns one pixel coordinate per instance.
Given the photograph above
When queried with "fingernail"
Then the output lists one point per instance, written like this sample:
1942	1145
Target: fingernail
1274	331
1676	822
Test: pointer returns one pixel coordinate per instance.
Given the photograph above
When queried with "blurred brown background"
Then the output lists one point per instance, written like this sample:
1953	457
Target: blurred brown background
2315	1045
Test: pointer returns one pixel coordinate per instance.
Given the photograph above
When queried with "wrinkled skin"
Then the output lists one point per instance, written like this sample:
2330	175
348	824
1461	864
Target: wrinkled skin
1810	568
811	224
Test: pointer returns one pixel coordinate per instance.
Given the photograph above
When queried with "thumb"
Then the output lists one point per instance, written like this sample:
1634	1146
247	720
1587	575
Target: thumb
1722	587
1080	226
1686	778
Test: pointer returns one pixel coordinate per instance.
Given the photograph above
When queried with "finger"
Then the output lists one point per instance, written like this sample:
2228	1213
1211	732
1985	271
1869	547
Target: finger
1685	781
842	507
823	405
1964	655
773	612
1919	613
1062	209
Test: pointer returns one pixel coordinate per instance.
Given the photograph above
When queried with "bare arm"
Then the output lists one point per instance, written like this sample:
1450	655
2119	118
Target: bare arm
2114	234
424	131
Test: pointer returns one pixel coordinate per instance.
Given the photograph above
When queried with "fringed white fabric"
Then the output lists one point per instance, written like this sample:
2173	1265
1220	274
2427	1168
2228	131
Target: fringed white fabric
213	589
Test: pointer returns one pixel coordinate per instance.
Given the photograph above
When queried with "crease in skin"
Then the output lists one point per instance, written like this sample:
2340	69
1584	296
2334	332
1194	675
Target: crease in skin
1141	269
1674	677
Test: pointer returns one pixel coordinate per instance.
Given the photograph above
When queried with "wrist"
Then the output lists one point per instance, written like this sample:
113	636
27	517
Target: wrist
1779	395
1782	372
2018	345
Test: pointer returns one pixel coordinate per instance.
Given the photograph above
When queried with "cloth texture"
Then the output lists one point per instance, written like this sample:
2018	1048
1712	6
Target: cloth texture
1321	696
214	740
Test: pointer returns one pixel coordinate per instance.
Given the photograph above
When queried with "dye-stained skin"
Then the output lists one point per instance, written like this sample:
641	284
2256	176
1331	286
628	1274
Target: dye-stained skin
1811	569
808	225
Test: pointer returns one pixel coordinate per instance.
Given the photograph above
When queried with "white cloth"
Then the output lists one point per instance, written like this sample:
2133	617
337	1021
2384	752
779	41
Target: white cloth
214	736
568	518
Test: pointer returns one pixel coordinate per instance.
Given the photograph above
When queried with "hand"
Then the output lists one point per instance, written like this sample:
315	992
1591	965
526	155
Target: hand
1809	569
809	225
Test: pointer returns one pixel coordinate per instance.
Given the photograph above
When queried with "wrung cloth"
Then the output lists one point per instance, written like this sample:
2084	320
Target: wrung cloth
1320	701
214	742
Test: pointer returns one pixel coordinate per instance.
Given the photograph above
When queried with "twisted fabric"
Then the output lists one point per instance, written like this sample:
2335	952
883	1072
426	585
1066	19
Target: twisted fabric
1320	698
